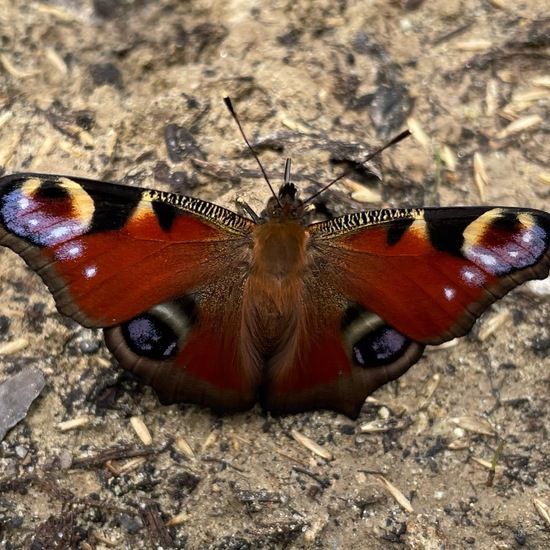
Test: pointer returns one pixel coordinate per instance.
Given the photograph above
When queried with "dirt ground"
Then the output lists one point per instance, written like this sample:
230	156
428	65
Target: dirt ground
96	88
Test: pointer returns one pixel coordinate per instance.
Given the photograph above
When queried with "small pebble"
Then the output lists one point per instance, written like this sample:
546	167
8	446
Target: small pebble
21	451
65	459
131	524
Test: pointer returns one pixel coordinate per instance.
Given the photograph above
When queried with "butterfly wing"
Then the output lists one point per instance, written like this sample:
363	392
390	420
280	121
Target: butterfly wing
159	271
342	358
397	280
430	273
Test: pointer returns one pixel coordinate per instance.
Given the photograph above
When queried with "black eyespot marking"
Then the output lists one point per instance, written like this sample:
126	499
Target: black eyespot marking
109	215
165	214
148	336
372	342
160	332
188	307
353	312
447	235
507	221
51	190
382	346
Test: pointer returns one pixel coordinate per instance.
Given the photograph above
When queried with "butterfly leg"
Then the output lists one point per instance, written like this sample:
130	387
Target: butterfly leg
247	209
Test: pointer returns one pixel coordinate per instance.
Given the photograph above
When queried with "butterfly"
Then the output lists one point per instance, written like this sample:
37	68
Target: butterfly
211	307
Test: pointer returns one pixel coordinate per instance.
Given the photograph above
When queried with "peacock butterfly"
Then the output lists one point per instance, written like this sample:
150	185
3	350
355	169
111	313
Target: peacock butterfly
211	307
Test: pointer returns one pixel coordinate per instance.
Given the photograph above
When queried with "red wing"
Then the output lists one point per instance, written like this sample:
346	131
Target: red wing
178	348
338	364
145	260
108	252
430	273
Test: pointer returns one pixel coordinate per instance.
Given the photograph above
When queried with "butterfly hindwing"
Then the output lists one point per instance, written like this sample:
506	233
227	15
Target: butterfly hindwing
143	262
341	361
178	349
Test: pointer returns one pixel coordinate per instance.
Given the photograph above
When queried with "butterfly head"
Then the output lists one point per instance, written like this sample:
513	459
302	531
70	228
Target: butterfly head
287	205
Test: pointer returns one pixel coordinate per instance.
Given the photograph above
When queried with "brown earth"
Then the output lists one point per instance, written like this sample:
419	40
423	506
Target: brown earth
89	89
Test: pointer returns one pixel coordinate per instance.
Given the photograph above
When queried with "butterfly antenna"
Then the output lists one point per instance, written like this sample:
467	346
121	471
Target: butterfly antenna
376	152
229	106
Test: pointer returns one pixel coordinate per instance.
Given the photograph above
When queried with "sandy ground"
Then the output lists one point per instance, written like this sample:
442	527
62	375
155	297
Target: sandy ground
89	89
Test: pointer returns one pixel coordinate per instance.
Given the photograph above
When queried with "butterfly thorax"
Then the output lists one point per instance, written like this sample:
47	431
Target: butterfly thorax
278	254
278	251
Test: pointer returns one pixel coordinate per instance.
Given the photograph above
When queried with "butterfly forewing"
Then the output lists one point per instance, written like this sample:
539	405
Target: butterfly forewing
430	273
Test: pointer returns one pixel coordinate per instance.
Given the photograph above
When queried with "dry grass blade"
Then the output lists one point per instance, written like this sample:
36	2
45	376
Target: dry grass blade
480	175
73	424
418	133
209	441
56	61
14	346
522	102
398	496
360	193
12	70
182	517
500	4
184	448
55	11
100	537
374	427
459	444
474	45
111	143
397	409
311	445
446	345
429	390
119	470
389	425
543	510
473	424
520	125
543	81
448	158
482	462
531	96
493	324
141	430
5	117
492	97
131	465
